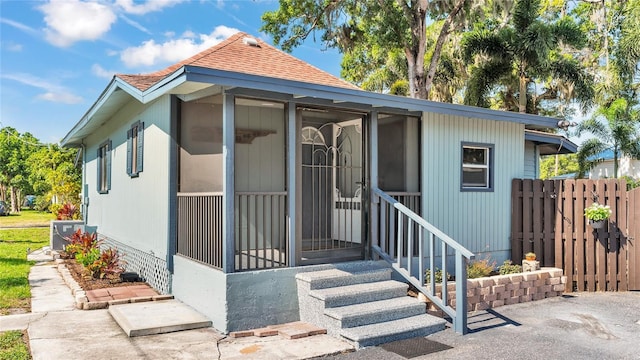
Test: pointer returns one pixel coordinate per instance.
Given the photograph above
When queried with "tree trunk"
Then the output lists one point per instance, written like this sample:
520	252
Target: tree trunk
522	99
14	199
444	34
415	49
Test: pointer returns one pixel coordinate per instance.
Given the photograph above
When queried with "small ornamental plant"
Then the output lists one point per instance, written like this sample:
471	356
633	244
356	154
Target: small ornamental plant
597	212
530	256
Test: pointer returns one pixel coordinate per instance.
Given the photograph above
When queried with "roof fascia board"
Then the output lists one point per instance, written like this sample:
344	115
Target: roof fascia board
113	86
282	97
301	89
551	139
164	86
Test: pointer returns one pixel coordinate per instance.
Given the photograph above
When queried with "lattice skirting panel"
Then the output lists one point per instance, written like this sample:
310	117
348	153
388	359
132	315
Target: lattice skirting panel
151	269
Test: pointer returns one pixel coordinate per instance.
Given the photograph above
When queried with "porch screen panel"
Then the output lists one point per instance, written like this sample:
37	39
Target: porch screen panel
260	179
398	170
200	181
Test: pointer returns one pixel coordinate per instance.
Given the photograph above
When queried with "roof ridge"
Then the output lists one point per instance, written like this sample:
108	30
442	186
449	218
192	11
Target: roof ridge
235	55
221	45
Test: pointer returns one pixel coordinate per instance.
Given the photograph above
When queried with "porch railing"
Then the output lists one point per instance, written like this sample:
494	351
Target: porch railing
391	220
200	227
260	229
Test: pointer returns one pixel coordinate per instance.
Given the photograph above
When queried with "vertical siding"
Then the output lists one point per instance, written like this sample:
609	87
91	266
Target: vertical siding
478	220
530	160
136	210
260	166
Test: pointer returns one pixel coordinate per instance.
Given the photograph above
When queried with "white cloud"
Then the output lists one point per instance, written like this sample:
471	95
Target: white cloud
53	92
69	21
131	7
151	53
135	24
11	46
220	4
60	97
99	71
18	25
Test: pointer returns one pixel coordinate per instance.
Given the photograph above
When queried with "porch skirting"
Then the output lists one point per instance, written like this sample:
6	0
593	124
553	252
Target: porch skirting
151	269
239	301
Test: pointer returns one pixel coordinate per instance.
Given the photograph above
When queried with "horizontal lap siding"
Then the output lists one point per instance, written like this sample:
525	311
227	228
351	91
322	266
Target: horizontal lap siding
480	221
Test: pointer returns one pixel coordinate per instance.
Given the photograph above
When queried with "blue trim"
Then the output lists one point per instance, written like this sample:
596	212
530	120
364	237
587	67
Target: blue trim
107	160
172	243
490	169
139	127
553	139
298	89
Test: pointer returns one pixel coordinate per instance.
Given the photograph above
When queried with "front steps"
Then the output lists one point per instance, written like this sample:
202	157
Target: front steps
360	303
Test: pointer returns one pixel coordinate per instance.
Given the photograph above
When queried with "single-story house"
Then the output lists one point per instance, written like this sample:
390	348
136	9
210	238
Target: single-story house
223	176
603	169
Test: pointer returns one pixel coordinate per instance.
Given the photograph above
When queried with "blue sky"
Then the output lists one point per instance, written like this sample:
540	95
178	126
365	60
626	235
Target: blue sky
58	56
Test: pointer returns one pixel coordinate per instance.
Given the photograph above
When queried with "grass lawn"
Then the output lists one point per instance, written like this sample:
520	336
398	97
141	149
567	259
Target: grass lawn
12	346
14	267
27	218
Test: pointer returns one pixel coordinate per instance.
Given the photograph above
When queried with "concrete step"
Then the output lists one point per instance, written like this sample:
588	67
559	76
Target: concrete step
337	277
384	332
157	317
375	312
359	293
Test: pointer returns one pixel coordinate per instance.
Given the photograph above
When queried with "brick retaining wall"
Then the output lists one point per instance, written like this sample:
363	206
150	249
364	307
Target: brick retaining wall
491	292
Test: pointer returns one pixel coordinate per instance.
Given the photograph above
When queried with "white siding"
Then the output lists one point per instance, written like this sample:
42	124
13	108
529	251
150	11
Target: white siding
478	220
626	166
530	160
136	210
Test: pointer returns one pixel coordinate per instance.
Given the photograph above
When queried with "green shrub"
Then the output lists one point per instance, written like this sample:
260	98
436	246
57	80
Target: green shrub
509	267
480	268
438	276
88	258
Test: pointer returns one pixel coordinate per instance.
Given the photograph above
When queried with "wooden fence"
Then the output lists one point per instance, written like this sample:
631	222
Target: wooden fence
547	218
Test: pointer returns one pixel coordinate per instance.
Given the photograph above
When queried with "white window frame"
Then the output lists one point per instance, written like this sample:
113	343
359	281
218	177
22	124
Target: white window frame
489	166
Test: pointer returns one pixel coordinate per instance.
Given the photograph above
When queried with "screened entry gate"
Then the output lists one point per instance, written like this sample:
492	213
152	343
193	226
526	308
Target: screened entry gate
332	178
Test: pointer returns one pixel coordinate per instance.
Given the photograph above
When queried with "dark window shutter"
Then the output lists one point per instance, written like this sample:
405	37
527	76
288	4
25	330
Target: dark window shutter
129	146
140	148
109	165
99	166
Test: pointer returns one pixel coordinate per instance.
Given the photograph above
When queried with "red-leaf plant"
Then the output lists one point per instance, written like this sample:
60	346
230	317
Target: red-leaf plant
109	264
67	212
81	243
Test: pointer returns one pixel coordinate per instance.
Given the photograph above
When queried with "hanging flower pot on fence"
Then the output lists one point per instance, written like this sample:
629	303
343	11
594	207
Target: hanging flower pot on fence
597	214
597	224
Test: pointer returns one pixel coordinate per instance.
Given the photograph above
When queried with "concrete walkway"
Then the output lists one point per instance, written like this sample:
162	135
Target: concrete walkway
603	325
58	331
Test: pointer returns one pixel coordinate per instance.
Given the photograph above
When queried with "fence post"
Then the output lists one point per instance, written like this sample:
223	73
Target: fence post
460	322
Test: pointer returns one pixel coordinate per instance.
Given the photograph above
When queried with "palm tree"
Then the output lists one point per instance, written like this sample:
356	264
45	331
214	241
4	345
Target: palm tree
521	54
616	127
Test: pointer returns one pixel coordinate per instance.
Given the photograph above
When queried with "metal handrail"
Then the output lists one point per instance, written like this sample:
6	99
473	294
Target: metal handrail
462	256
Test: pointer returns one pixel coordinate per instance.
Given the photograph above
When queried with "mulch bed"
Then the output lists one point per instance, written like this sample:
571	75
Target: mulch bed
90	283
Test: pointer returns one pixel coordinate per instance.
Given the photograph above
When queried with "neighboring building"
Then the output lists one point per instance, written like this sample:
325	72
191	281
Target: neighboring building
604	167
224	175
537	144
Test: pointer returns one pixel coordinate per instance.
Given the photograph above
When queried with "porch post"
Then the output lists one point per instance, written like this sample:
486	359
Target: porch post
294	201
373	178
228	184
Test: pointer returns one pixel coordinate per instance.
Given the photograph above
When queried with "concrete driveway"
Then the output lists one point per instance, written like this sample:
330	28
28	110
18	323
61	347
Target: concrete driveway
575	326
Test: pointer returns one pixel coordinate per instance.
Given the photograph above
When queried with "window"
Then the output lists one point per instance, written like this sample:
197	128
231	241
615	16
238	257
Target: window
104	167
134	149
477	167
